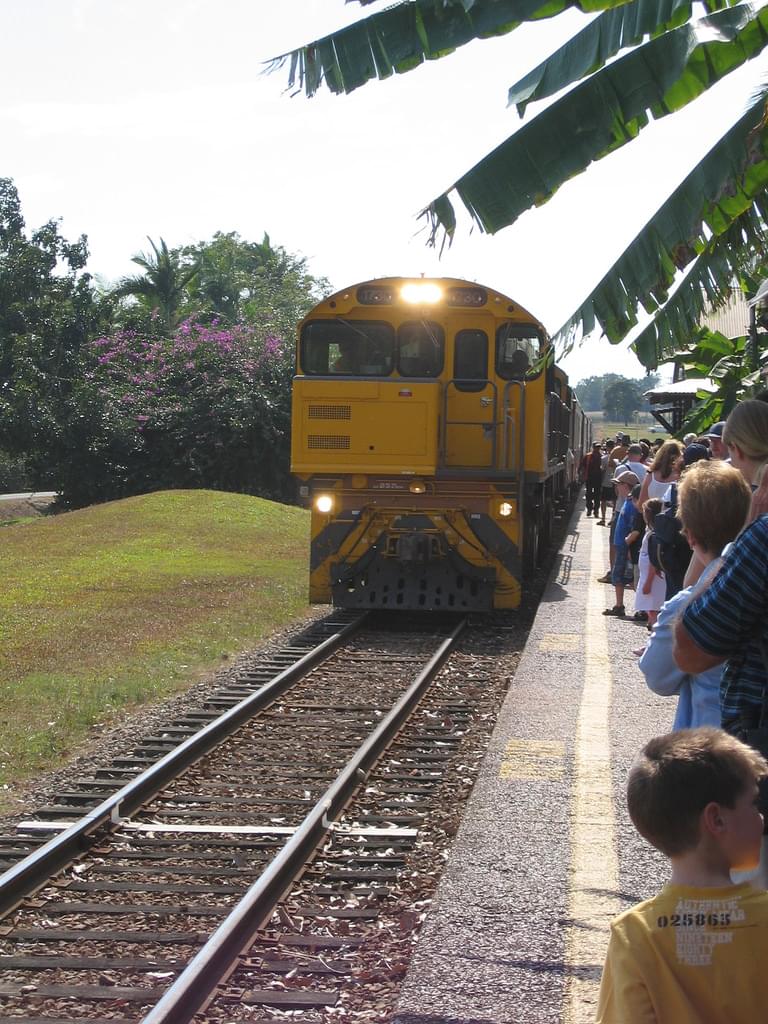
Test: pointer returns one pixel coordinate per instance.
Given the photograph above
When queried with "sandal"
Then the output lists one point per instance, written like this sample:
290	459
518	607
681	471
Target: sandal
617	610
640	616
605	579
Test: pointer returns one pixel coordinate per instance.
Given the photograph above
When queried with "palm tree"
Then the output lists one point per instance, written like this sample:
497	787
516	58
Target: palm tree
162	285
635	61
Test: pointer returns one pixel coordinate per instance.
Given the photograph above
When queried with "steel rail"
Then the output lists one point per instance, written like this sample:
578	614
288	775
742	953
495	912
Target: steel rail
29	874
194	987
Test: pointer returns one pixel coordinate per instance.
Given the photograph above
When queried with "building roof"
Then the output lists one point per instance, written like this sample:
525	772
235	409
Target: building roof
679	389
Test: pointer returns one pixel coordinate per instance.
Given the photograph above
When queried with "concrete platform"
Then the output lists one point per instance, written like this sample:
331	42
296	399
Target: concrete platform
546	855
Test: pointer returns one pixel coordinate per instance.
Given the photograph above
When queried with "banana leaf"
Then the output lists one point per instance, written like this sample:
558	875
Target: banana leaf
724	195
403	36
600	115
734	384
706	287
590	49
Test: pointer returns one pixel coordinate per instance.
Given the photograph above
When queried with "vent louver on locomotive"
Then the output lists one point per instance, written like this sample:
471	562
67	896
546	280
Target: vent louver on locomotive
329	412
334	441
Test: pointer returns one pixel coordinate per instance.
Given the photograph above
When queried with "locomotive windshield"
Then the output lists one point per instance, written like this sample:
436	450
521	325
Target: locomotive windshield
357	348
420	347
518	347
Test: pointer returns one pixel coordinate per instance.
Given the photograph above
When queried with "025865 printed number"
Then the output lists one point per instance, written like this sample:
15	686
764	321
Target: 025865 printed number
721	920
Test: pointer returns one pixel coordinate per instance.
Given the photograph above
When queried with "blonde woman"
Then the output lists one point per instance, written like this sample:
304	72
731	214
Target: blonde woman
662	471
746	437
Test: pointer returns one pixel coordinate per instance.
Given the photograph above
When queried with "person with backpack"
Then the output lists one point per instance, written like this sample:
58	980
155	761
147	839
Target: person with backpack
674	552
714	500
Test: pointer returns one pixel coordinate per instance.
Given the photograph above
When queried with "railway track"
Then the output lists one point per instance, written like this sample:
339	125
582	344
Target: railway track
85	792
258	879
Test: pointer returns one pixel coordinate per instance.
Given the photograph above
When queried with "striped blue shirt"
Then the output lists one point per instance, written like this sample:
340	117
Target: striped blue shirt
729	617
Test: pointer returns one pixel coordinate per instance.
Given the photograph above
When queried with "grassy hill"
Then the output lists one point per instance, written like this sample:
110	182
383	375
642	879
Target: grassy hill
130	601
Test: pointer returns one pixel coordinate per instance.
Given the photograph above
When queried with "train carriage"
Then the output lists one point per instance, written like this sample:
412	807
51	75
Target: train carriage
433	437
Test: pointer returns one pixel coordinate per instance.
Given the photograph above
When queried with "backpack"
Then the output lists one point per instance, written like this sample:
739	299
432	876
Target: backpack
673	551
653	552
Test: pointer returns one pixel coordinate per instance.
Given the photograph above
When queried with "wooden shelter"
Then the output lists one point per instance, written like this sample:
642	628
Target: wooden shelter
671	403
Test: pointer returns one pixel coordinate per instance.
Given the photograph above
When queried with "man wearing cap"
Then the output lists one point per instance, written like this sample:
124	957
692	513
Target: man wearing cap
715	437
694	453
619	449
593	478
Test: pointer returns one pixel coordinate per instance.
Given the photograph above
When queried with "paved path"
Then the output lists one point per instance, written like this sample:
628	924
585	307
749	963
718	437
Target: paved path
28	494
546	854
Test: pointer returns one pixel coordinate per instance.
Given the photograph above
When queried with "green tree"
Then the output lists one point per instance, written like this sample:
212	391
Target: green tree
590	392
48	308
668	59
206	404
621	399
204	407
251	282
647	383
160	291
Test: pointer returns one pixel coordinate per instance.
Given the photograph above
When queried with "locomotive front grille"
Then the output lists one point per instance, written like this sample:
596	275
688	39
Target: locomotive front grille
412	572
330	412
337	442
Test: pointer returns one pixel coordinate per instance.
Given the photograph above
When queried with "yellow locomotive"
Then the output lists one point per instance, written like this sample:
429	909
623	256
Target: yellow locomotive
433	437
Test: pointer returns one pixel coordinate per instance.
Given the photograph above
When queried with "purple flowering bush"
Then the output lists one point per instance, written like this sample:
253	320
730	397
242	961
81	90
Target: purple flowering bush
208	406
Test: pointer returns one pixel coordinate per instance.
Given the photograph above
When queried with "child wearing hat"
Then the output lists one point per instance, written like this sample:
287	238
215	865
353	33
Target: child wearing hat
621	572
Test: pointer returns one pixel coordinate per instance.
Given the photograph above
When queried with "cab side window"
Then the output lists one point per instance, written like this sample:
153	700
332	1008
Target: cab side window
470	360
518	347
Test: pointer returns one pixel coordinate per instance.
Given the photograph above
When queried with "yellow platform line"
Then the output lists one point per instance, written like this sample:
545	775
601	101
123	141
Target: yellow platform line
592	900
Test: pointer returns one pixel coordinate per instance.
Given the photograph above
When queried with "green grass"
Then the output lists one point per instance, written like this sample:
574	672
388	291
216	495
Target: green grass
131	601
17	520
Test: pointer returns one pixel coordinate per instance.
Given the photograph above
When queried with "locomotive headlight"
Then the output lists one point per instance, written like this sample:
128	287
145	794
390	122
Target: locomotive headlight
421	294
417	487
324	502
506	509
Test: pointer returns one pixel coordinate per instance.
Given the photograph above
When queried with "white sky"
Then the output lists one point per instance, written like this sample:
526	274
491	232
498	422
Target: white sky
151	117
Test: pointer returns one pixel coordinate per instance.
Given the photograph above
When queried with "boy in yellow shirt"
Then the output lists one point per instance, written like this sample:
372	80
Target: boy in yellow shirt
698	952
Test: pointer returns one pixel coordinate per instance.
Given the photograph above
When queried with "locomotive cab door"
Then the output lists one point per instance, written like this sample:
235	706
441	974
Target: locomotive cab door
470	406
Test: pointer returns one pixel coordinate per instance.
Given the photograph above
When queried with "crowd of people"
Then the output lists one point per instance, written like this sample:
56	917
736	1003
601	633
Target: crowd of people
689	534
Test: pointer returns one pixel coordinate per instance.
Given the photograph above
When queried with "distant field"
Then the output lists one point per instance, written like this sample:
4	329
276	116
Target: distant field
130	601
608	428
